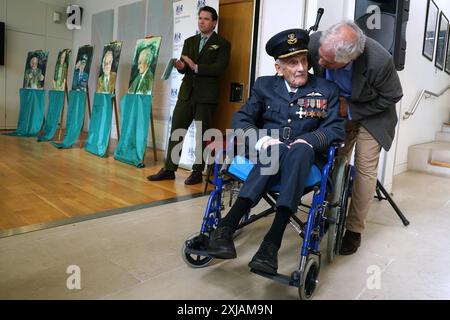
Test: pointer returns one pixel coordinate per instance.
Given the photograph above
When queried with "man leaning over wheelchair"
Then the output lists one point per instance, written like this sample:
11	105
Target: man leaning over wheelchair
300	112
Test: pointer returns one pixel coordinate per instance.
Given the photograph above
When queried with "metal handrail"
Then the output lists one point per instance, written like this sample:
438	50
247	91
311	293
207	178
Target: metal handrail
427	94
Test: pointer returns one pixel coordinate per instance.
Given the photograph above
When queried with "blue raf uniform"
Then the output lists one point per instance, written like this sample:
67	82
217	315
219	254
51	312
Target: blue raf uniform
311	114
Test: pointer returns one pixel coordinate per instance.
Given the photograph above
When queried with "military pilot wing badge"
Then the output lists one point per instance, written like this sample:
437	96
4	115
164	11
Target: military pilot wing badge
314	94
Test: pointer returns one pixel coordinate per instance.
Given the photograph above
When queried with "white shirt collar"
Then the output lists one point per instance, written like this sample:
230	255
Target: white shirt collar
289	88
206	35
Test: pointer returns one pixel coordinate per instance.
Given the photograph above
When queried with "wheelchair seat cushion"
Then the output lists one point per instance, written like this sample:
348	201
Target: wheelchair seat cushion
241	167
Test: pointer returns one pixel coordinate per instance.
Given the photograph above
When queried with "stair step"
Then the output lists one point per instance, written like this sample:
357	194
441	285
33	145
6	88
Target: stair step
430	158
440	164
442	136
446	127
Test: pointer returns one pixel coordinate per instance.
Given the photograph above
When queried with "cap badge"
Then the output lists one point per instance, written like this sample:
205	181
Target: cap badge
292	39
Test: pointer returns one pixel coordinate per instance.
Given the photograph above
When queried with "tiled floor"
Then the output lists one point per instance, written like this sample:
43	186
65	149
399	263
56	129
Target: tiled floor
137	255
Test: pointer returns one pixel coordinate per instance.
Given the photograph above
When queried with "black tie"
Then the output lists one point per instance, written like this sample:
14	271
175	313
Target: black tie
292	94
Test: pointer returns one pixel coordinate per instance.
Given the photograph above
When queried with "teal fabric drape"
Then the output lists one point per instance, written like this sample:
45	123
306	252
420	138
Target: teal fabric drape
31	115
100	125
135	109
55	107
75	119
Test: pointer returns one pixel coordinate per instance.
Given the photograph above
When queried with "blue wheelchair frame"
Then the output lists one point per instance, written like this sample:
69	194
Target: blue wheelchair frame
312	231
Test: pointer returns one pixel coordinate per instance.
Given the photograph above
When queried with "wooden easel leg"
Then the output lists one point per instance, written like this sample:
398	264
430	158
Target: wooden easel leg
89	112
62	112
88	104
152	128
116	113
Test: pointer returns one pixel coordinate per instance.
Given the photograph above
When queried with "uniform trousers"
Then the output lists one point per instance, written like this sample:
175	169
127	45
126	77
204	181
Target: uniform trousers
367	155
294	166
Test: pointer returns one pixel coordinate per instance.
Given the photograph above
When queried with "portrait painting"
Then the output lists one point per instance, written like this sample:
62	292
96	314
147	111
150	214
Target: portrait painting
82	68
35	67
144	65
108	69
61	68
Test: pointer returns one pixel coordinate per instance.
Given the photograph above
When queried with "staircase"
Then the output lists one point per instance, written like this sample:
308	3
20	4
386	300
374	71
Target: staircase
433	157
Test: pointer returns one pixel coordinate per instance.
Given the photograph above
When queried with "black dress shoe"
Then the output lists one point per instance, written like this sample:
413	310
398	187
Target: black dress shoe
265	259
194	178
350	243
221	243
163	174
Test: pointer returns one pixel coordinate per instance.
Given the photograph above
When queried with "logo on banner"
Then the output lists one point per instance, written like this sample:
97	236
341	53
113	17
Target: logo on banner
201	4
179	9
177	37
73	21
174	93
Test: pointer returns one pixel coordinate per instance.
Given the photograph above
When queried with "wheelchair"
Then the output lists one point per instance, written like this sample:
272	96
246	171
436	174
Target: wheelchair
325	215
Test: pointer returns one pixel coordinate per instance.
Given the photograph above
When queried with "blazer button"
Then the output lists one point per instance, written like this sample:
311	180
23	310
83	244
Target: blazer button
289	120
291	105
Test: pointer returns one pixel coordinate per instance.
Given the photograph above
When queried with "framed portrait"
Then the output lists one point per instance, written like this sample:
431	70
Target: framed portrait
429	36
35	67
441	45
144	65
82	68
447	59
62	65
106	82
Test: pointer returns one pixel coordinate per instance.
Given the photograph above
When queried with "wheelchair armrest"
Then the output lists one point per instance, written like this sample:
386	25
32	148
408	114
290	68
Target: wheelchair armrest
338	144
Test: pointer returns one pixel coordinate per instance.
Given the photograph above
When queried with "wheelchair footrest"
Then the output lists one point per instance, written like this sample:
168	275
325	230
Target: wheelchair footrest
197	252
280	278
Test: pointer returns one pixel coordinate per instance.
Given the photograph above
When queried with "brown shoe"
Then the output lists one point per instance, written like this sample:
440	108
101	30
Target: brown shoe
194	178
350	243
163	174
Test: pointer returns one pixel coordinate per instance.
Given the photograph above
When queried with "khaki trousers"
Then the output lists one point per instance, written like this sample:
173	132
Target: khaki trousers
367	155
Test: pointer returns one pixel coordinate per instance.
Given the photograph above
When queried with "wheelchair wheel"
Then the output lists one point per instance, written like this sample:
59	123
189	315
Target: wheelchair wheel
195	241
309	279
336	214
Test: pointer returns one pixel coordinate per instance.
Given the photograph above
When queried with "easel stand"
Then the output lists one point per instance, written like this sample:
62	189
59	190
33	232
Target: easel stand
88	105
152	129
66	93
380	190
116	115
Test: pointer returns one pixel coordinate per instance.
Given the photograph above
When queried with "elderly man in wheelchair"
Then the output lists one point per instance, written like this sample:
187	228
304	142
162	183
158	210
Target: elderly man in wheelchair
300	122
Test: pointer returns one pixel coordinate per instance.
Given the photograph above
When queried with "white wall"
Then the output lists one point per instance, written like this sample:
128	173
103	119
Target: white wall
419	74
29	26
275	15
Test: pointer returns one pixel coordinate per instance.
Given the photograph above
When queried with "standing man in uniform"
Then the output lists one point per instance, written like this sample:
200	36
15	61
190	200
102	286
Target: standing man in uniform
81	77
203	60
301	115
370	88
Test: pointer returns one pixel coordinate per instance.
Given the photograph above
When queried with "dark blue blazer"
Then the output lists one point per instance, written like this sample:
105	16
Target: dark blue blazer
311	114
